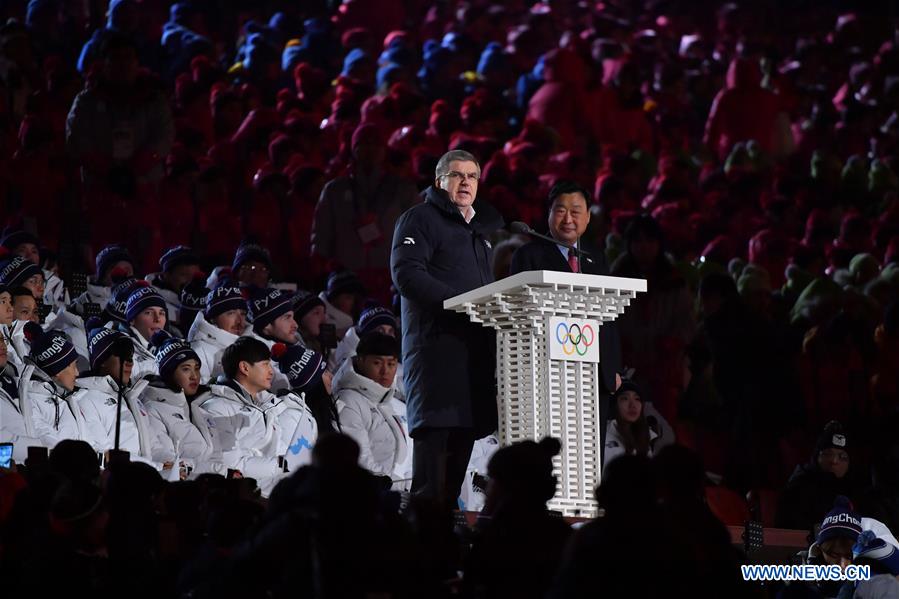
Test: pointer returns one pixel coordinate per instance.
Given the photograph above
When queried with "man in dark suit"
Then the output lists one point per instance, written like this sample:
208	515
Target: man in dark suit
569	214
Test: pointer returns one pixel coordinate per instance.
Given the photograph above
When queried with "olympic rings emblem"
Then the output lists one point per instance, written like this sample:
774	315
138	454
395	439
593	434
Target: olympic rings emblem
575	338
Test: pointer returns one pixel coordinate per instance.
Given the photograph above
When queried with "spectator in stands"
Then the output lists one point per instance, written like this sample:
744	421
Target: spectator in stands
271	312
364	389
813	486
314	384
342	297
240	414
179	265
223	321
628	432
26	245
21	272
46	390
252	266
296	420
7	311
309	314
356	213
145	315
374	318
519	544
447	408
192	301
111	259
13	428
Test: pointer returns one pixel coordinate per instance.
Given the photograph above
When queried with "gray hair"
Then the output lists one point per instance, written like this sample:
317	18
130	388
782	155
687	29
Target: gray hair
460	155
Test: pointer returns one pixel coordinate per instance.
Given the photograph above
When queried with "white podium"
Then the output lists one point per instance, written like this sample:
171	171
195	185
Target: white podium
548	379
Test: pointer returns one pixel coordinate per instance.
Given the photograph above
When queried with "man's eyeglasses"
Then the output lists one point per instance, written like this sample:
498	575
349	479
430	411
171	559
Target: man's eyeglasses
472	177
254	268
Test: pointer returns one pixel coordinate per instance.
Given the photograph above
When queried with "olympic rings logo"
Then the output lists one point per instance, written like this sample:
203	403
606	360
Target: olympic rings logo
575	338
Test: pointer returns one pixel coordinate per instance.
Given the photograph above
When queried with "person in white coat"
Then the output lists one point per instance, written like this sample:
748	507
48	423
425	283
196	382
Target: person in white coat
374	318
364	388
145	315
112	262
143	436
304	369
241	415
628	432
271	312
47	391
223	320
341	296
169	398
52	290
179	265
13	428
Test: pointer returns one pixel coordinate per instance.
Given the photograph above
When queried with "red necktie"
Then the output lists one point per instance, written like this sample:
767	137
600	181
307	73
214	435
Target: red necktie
572	261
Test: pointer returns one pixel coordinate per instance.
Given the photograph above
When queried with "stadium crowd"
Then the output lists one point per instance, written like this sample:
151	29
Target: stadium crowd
199	202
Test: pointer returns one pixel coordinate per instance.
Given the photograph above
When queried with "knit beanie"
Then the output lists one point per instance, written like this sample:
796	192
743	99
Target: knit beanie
378	344
250	252
344	281
52	352
118	298
177	256
302	367
14	237
841	521
833	436
16	271
373	317
171	352
109	257
193	299
142	296
304	302
100	343
266	305
223	298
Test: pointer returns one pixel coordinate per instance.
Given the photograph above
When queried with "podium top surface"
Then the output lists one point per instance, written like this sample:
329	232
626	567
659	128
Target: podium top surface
548	279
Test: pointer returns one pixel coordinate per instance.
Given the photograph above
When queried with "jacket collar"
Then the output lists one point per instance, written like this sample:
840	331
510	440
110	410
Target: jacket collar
203	330
347	379
486	217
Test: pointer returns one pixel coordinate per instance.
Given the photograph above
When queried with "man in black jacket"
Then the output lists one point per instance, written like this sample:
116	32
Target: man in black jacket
440	249
569	214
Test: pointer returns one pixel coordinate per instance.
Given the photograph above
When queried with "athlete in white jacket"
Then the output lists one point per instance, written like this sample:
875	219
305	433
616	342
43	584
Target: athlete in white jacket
219	325
241	416
364	388
47	397
113	265
13	428
145	313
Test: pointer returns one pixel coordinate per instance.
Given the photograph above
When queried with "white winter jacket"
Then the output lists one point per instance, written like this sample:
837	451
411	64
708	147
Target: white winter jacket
73	326
614	442
371	415
244	433
209	342
50	412
172	409
12	422
144	358
55	294
17	347
298	430
141	434
346	349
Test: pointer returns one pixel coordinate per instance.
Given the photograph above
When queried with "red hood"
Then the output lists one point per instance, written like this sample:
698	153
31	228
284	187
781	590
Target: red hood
743	73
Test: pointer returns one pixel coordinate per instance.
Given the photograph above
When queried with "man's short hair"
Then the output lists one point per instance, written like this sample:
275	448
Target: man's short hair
565	186
20	291
378	344
460	155
245	349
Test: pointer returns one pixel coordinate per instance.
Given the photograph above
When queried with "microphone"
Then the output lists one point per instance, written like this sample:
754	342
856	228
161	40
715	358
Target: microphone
521	228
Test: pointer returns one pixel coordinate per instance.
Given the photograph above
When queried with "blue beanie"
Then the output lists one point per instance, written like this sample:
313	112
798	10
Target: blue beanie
118	298
343	281
869	547
52	352
12	238
841	521
266	305
142	296
355	57
493	59
193	299
304	302
177	256
171	352
372	318
15	272
223	298
302	367
99	345
109	257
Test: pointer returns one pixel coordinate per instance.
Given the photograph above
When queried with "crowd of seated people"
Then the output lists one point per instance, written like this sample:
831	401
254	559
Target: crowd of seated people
228	176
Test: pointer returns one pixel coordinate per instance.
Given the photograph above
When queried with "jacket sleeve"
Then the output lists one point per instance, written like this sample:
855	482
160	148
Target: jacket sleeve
96	432
228	447
412	251
353	424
